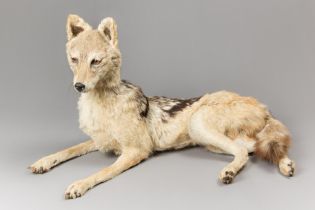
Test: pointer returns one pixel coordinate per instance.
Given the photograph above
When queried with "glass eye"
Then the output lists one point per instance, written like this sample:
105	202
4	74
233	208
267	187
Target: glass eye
74	60
95	62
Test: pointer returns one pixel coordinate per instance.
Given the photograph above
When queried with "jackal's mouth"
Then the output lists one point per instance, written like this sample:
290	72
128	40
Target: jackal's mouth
86	86
83	91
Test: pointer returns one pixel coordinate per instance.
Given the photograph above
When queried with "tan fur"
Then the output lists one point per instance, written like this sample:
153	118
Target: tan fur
273	141
120	118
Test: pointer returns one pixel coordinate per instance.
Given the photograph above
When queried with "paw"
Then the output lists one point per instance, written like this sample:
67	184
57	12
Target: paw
227	176
287	167
43	165
76	189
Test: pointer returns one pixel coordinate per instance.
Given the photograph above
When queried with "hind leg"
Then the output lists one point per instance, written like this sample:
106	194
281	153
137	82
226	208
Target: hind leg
203	134
216	150
244	141
286	166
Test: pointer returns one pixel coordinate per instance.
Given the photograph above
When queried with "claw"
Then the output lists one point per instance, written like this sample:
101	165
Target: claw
67	196
228	178
291	173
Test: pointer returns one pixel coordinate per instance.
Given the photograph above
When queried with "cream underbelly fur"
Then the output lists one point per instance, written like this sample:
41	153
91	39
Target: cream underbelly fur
119	117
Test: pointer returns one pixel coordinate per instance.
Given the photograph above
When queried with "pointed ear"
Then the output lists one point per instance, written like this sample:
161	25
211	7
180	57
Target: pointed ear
108	28
76	25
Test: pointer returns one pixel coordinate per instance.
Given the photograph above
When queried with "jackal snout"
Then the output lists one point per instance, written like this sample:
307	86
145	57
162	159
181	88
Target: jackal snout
93	54
79	86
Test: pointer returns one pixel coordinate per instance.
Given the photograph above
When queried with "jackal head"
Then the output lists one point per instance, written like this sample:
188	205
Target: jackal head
93	54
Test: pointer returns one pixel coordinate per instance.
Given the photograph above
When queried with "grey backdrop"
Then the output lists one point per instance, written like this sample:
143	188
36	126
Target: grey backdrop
175	48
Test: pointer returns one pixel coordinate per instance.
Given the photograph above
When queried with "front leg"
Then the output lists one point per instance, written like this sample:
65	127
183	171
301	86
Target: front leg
46	163
128	158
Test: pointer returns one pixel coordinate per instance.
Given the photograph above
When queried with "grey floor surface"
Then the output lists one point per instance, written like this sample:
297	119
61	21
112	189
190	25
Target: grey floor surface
185	179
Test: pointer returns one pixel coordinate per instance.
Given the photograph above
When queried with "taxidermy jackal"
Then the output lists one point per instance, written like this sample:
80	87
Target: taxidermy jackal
120	118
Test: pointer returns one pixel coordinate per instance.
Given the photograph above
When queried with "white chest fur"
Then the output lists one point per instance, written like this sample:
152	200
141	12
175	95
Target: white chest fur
98	118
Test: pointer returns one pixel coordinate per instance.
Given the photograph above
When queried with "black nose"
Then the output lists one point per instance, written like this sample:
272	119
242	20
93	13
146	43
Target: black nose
79	86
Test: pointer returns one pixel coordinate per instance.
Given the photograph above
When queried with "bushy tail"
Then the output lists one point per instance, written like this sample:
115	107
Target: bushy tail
273	141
